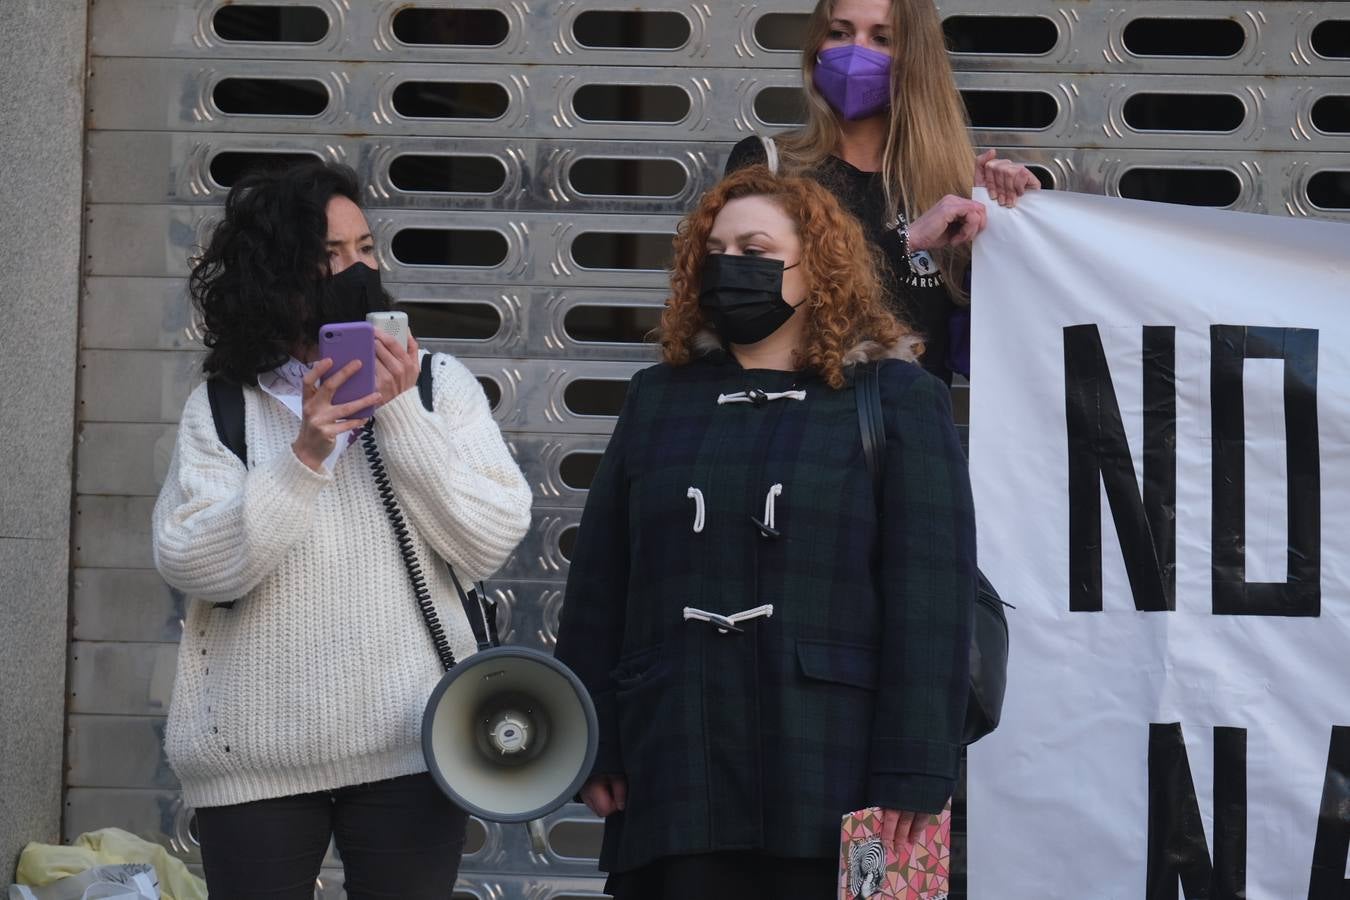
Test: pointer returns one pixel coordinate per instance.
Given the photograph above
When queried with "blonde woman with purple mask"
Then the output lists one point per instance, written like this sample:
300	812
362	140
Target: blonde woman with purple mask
886	132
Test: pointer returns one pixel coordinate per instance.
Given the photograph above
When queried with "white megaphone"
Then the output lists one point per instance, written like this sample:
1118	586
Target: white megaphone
509	735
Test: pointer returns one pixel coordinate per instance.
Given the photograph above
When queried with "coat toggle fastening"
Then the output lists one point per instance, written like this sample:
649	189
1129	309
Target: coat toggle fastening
768	527
756	397
727	624
699	511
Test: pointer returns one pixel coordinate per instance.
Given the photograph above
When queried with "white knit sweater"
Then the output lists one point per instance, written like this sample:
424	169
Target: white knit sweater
317	677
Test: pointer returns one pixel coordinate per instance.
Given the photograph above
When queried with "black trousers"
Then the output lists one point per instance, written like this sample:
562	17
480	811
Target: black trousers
728	876
397	838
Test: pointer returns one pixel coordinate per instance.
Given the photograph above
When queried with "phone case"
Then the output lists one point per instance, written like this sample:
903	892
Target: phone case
867	870
343	342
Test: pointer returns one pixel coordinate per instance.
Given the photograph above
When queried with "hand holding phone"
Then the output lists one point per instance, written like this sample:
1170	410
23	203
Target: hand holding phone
397	355
323	422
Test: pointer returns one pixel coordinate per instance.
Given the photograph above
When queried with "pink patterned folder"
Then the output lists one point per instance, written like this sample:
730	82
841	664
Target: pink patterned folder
867	870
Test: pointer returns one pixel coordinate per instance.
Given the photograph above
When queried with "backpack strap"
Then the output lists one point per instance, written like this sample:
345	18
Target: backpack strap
227	411
770	153
424	383
989	635
867	390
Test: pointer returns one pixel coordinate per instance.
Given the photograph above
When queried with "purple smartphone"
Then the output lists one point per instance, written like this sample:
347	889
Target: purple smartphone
343	342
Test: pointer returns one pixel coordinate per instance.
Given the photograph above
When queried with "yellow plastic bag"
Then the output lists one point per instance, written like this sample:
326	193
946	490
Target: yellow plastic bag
41	864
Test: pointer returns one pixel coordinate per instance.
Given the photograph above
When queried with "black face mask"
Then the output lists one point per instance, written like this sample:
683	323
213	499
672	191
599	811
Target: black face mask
347	297
743	296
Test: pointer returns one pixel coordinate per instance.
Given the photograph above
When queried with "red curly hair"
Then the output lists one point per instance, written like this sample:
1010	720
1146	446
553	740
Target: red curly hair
843	305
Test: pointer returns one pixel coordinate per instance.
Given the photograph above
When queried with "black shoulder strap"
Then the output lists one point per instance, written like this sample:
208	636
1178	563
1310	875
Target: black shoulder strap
227	411
424	383
867	389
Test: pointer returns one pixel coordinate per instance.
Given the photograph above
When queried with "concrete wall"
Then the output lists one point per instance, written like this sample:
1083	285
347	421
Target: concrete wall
41	151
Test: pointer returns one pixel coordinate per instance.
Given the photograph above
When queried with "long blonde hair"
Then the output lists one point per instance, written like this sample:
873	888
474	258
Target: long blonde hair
928	152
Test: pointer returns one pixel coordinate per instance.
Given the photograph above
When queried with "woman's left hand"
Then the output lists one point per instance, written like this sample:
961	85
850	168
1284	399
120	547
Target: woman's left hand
396	368
901	828
1004	179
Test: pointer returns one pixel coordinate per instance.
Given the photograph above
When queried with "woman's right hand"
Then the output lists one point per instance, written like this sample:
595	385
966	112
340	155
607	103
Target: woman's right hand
953	221
605	794
319	422
901	829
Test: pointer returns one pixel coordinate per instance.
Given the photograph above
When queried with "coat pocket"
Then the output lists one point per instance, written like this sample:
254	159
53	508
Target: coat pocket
852	664
652	708
637	668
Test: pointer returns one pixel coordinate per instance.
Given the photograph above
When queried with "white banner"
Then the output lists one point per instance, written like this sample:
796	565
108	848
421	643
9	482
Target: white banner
1160	450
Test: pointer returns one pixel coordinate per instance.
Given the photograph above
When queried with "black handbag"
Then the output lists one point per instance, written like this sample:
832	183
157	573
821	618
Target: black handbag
989	628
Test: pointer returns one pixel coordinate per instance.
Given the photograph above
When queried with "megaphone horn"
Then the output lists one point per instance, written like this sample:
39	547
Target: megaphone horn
509	735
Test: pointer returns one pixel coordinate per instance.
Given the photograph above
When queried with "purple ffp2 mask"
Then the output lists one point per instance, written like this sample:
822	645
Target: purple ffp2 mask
855	81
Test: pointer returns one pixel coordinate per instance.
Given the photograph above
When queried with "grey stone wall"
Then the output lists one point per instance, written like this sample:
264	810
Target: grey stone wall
41	157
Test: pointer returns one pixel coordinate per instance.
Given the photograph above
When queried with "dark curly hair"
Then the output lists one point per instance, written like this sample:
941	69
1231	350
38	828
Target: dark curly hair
259	283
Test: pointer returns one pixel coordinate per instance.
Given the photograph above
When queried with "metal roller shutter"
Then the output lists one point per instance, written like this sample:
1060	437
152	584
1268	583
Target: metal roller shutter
526	165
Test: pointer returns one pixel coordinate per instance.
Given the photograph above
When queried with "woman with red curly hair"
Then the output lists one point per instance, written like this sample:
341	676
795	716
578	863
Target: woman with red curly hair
765	650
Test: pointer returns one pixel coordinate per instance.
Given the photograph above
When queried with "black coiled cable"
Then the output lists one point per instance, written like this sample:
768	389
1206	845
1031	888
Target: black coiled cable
405	546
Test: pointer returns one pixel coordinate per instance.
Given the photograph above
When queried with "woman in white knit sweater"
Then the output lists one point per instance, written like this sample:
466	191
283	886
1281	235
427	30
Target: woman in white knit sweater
305	662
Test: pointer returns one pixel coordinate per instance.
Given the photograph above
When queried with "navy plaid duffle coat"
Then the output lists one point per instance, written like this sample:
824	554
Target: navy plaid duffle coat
853	692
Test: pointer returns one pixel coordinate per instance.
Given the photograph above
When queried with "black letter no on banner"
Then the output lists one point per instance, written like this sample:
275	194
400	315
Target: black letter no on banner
1099	456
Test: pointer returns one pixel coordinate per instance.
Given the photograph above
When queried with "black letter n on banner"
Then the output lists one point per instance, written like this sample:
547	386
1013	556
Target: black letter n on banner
1328	880
1176	835
1300	594
1099	454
